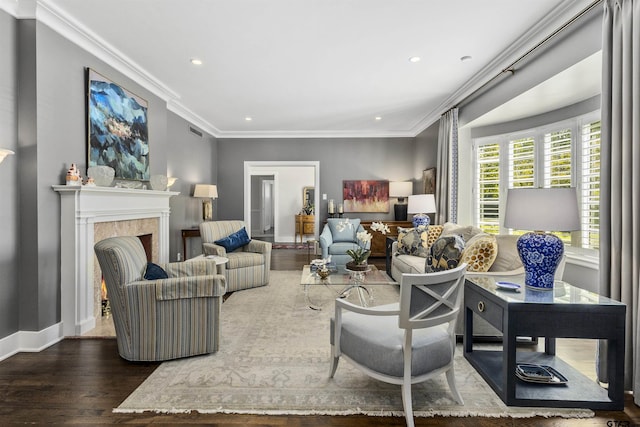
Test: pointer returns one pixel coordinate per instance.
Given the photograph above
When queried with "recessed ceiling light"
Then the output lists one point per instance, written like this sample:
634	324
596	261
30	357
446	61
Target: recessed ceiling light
378	118
414	59
465	58
248	119
196	61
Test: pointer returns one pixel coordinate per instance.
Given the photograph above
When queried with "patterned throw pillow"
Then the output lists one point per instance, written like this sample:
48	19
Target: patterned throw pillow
433	232
444	254
480	252
413	241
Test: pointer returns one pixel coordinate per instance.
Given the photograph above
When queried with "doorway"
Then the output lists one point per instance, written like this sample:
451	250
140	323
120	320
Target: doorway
286	197
263	207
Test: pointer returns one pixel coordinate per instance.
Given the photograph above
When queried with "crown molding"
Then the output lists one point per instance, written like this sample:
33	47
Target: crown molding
181	110
74	31
308	134
557	17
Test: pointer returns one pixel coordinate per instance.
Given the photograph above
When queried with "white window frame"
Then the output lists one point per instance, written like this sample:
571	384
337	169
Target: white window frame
538	133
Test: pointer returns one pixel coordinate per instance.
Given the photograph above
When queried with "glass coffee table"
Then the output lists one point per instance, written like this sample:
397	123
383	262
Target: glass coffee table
343	282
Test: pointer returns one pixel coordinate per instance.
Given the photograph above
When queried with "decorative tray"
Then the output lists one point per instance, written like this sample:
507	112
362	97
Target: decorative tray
539	374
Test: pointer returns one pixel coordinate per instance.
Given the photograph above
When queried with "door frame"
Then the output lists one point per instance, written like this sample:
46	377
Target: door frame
251	168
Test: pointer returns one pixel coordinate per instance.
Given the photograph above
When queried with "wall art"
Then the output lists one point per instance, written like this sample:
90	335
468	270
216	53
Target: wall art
117	128
429	181
365	196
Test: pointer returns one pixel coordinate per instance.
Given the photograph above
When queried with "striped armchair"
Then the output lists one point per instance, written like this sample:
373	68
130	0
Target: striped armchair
160	319
248	266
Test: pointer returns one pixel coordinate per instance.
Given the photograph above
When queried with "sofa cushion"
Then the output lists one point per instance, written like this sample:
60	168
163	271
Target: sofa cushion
343	231
234	240
409	264
244	259
480	252
464	231
413	241
341	248
444	254
507	258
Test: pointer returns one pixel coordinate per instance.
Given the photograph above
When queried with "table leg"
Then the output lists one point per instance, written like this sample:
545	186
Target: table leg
550	345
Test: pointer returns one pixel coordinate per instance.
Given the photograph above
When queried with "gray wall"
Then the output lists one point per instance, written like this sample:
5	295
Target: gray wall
340	158
193	160
8	176
45	125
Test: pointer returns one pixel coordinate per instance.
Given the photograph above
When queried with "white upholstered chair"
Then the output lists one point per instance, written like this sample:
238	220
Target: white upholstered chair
404	343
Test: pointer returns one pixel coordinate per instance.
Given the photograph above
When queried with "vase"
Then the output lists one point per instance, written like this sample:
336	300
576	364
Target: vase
102	175
352	266
540	254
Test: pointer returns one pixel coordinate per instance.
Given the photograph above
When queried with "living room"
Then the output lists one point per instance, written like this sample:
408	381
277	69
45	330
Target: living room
43	114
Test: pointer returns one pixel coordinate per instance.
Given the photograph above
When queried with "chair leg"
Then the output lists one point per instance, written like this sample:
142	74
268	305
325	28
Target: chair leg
407	403
334	363
451	379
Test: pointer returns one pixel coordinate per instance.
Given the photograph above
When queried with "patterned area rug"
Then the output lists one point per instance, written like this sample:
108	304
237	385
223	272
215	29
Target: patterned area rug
274	359
289	246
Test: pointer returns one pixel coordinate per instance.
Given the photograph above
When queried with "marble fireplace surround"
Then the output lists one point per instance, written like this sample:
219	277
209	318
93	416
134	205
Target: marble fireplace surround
88	215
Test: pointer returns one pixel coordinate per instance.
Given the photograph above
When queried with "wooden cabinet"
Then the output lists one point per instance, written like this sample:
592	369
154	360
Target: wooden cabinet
379	240
305	224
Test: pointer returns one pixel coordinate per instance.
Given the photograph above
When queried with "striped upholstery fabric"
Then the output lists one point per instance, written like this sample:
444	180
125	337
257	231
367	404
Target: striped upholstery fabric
248	266
160	319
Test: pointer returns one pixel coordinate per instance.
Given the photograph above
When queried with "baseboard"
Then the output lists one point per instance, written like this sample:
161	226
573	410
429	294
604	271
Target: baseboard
30	341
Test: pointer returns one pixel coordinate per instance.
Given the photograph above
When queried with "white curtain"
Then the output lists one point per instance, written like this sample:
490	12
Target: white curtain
447	168
620	174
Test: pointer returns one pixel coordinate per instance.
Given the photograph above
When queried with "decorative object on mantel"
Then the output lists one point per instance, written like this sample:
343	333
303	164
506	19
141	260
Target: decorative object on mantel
421	205
170	181
401	190
73	176
4	153
158	182
90	182
542	210
118	130
102	175
207	192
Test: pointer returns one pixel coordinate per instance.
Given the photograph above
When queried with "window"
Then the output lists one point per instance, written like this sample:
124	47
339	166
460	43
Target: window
561	155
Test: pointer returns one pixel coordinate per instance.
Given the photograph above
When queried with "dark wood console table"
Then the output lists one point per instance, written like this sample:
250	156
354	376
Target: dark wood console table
379	240
186	234
565	312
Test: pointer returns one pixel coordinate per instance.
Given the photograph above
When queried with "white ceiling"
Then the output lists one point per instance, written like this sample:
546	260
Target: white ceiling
305	67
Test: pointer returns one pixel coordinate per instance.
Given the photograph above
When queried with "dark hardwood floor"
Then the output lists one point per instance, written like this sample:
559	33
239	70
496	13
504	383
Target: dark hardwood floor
80	380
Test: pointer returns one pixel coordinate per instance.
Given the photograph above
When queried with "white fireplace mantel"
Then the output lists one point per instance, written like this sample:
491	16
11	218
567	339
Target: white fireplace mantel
80	208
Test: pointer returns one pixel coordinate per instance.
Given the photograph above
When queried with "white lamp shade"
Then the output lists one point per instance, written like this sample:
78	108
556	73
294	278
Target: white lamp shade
400	189
206	190
421	203
4	153
542	209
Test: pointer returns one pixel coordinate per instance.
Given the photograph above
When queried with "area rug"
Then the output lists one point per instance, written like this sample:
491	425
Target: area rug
274	359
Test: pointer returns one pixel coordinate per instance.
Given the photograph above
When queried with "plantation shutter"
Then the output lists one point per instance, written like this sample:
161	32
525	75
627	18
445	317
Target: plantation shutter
488	188
590	191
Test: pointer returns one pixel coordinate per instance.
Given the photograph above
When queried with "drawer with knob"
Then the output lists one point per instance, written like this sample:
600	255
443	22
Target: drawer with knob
485	308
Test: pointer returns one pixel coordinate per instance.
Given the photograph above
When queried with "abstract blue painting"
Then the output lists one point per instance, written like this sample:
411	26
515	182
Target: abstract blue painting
118	132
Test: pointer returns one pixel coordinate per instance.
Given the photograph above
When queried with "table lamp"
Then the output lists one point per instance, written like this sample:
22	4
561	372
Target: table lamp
207	192
542	210
4	153
401	190
421	205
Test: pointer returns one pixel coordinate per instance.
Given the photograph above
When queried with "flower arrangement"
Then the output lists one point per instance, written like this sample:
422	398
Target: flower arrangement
361	254
380	227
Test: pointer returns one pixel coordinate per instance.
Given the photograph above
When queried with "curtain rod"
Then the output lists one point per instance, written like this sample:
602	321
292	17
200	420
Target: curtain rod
510	67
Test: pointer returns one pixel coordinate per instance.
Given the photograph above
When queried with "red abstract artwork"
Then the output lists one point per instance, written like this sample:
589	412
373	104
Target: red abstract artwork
365	196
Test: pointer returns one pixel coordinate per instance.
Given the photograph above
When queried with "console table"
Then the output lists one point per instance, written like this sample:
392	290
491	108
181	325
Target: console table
305	224
379	240
186	234
565	312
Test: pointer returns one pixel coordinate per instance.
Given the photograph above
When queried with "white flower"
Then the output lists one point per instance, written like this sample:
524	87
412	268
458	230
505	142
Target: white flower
380	227
364	236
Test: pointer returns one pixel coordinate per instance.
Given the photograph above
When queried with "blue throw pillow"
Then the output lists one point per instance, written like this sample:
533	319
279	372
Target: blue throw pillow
235	240
154	272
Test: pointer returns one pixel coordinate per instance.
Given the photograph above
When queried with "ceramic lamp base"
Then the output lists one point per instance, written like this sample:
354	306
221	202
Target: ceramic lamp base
540	254
421	220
